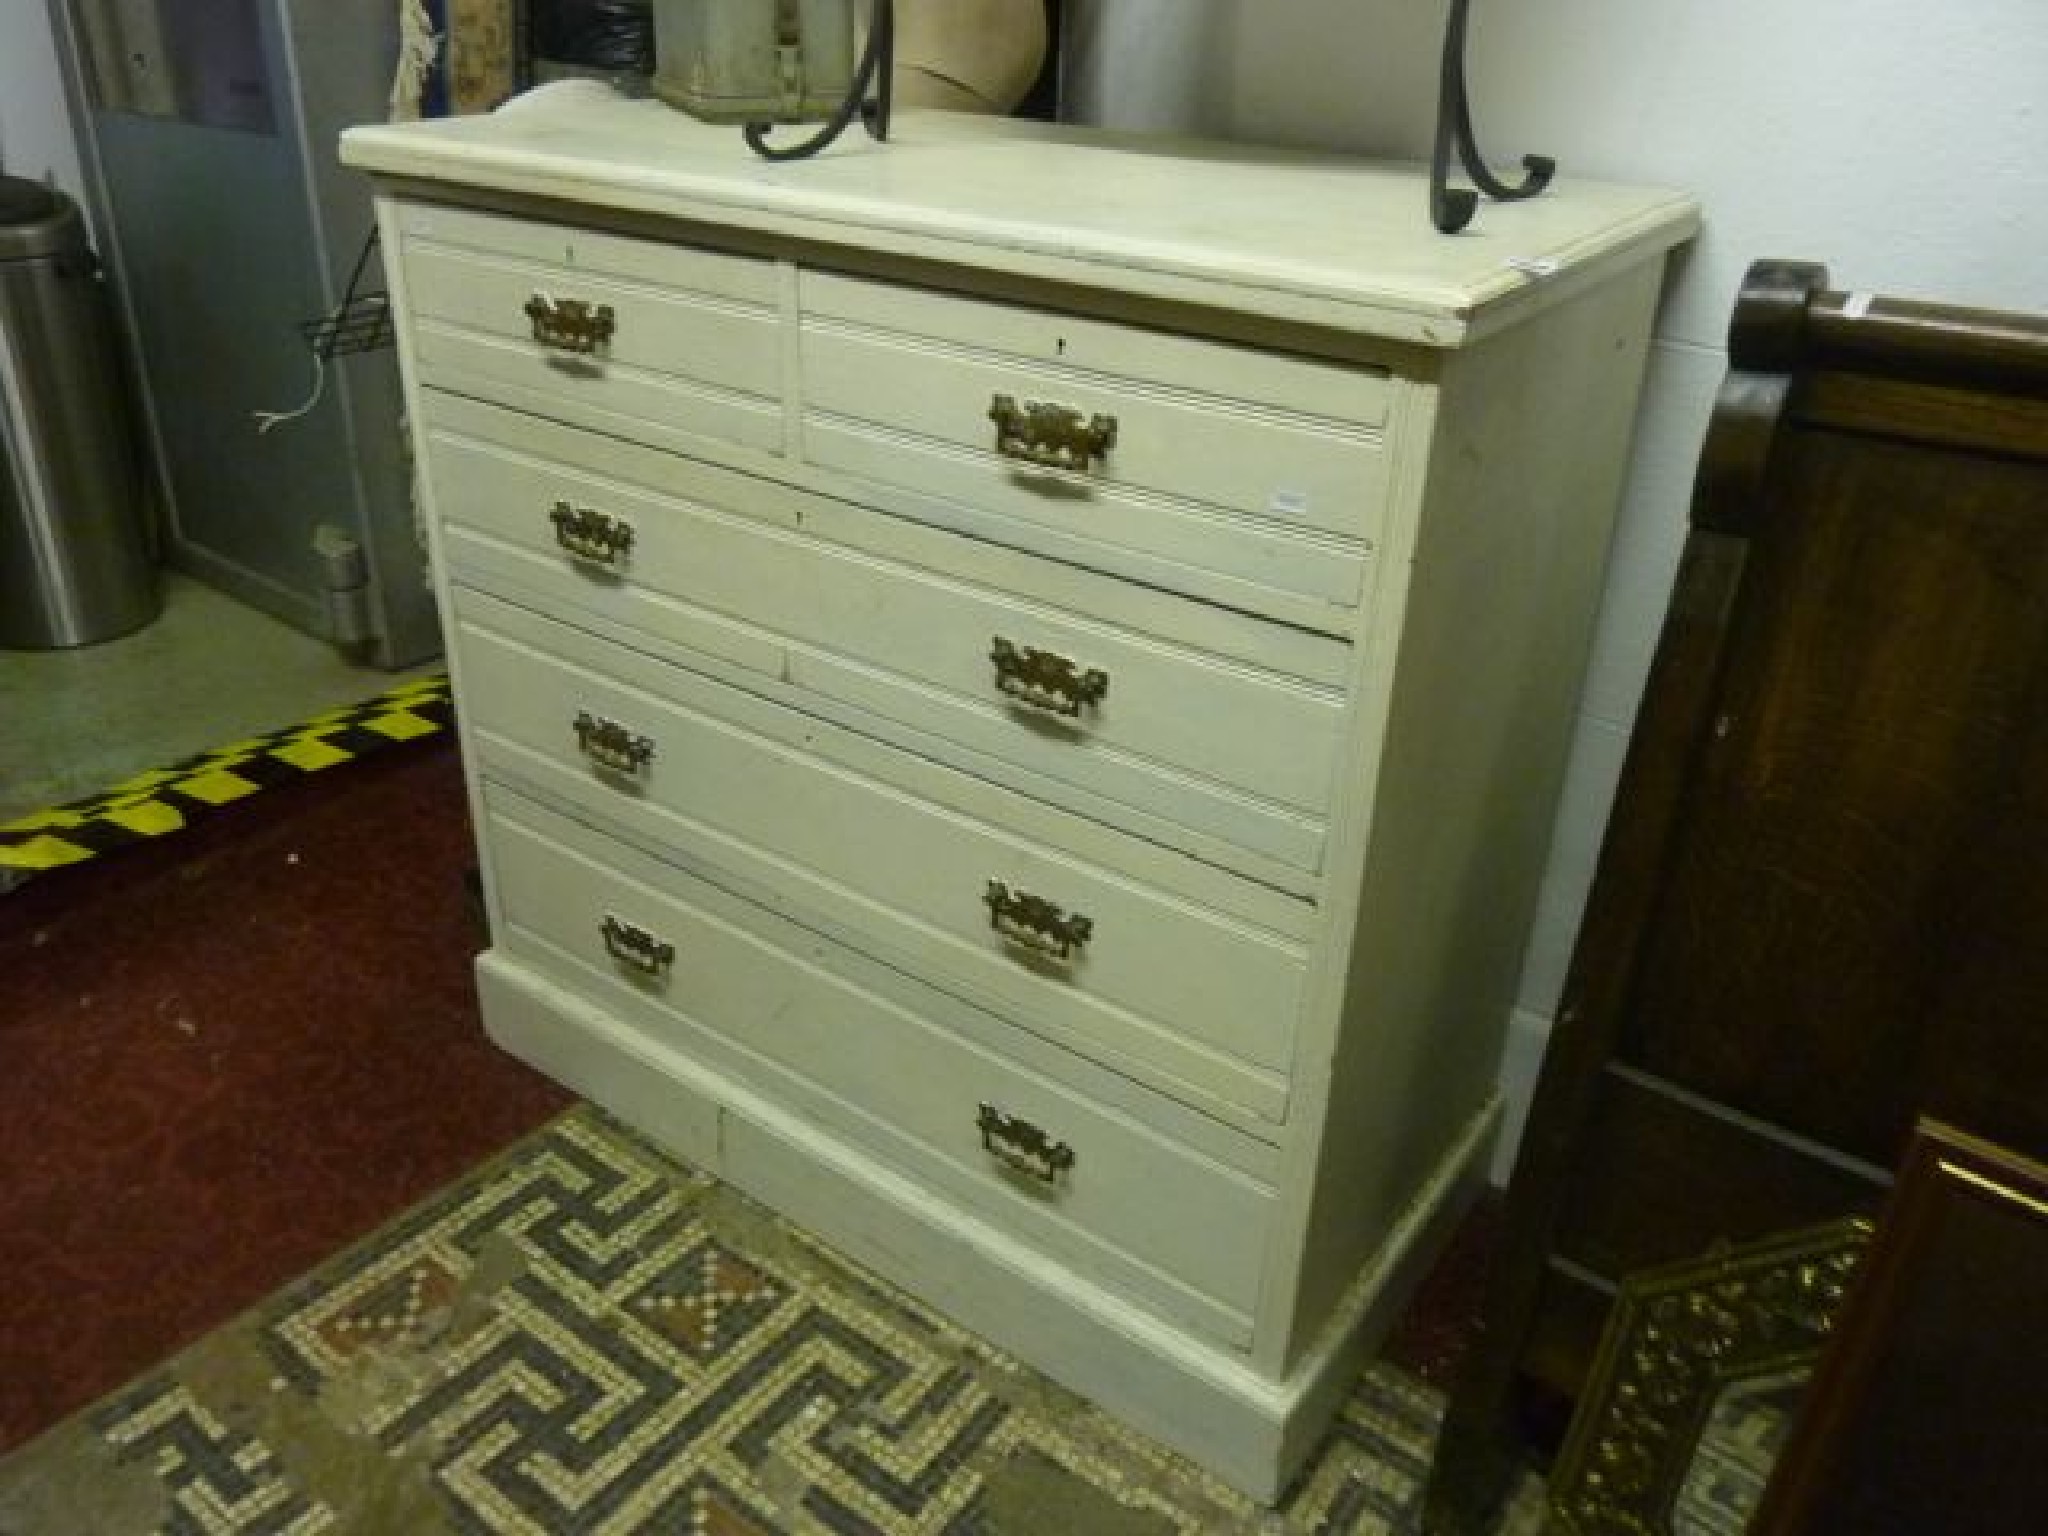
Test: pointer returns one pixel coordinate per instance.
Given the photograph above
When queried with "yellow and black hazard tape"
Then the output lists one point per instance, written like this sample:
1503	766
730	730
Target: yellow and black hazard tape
165	800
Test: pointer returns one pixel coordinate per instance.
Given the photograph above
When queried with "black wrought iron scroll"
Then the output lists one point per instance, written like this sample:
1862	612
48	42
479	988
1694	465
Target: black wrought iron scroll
876	72
1451	208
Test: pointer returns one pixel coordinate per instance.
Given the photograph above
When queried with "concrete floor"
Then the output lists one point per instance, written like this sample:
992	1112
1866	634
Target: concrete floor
209	671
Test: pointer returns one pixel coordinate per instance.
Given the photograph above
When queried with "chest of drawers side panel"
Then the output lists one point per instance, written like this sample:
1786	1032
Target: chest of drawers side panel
1519	458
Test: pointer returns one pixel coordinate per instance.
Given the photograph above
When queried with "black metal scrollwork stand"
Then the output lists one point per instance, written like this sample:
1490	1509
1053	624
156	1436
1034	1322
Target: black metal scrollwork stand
876	72
1451	208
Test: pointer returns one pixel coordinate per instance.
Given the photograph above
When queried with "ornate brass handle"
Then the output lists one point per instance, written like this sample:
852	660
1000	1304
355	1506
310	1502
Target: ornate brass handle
632	945
570	325
1050	436
1036	923
1019	1144
611	745
1046	680
591	535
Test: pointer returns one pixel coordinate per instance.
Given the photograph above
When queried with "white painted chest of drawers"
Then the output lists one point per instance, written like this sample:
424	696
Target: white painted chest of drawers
1014	685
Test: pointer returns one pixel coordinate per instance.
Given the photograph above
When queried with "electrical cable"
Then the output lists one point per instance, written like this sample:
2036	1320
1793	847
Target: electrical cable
1451	208
265	420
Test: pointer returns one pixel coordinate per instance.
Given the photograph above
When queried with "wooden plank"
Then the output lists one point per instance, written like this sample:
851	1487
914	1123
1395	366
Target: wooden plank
1211	450
1104	526
709	342
1874	733
668	265
1357	394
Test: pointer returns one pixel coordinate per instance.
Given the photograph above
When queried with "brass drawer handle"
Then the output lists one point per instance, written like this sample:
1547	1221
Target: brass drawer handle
570	325
631	945
1050	436
1018	1144
1035	923
591	535
611	745
1046	680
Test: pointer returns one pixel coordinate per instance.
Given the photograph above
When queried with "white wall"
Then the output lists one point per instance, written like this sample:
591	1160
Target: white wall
1903	144
35	132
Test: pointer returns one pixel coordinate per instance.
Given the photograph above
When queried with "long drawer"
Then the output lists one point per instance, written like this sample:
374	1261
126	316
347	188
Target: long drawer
1237	753
1192	463
1155	965
676	346
1092	1184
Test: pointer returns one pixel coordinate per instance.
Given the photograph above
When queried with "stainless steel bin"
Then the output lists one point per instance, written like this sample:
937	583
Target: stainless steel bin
75	565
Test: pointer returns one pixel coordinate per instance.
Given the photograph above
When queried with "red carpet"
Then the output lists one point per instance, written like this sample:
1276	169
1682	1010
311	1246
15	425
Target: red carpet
225	1055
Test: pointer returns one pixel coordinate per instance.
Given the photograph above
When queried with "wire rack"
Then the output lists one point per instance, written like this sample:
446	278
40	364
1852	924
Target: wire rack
361	322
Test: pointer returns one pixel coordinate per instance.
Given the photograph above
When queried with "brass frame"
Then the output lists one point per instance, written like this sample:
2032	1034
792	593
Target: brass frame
1918	1412
1677	1335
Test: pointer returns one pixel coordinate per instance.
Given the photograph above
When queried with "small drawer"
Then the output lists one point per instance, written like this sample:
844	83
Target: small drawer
1019	908
675	346
1197	464
1105	1187
1239	754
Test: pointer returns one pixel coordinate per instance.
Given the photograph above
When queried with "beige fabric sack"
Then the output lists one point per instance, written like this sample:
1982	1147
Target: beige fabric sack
968	55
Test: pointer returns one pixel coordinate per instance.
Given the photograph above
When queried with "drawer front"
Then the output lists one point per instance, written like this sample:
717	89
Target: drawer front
1155	453
676	346
1241	754
1099	1188
1140	977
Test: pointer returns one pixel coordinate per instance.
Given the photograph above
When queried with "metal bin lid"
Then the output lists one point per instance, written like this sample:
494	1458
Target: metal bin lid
36	220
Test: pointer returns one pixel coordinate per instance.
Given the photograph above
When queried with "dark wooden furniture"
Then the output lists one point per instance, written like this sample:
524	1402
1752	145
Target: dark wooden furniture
1926	1412
1821	905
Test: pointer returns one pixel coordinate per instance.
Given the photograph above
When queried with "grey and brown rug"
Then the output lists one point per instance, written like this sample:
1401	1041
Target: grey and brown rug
585	1336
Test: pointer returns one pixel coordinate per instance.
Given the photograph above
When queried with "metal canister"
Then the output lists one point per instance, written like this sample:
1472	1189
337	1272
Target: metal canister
75	565
746	61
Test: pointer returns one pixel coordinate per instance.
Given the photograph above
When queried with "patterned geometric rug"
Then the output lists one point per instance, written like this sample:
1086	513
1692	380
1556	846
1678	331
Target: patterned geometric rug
584	1336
